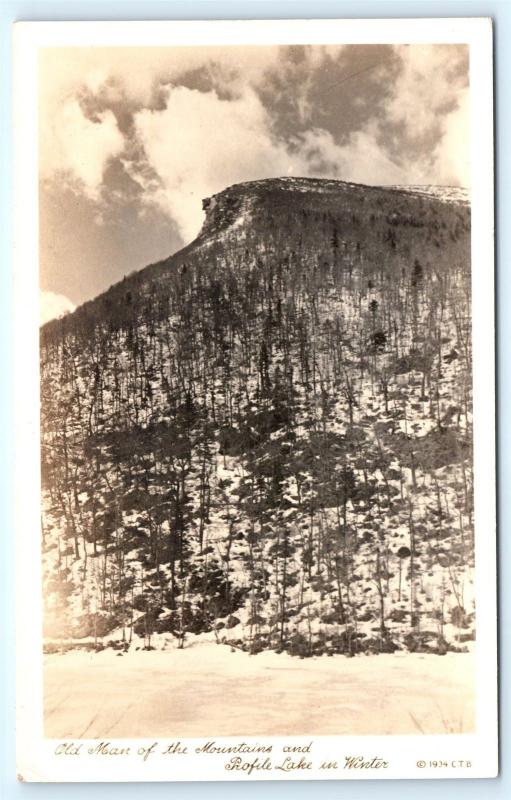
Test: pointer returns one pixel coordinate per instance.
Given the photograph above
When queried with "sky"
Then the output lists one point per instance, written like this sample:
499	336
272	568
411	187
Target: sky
132	139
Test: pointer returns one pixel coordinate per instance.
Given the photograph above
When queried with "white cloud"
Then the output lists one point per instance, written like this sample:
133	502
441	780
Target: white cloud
194	144
76	148
361	159
53	306
199	144
452	153
137	70
421	87
73	145
430	98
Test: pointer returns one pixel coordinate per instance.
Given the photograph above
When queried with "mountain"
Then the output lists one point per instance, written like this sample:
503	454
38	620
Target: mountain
266	438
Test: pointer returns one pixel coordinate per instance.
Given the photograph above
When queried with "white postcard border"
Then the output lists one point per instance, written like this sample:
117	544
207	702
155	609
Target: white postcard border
37	759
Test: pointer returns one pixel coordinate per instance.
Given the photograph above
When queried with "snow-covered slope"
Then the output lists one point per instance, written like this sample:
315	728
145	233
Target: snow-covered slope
267	436
448	194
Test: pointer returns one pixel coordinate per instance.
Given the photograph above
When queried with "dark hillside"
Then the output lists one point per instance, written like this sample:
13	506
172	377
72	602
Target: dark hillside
267	436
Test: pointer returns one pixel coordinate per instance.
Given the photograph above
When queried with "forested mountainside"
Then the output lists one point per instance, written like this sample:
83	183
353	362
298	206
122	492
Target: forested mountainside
267	436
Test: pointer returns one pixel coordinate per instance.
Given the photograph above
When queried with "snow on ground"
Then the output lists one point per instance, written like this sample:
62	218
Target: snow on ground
448	194
209	690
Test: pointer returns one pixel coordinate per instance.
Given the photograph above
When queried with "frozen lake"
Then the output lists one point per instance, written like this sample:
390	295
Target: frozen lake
207	690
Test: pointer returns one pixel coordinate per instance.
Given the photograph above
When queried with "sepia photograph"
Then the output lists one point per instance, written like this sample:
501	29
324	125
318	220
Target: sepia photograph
256	395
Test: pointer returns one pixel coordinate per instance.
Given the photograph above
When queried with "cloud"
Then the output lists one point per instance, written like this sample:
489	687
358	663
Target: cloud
427	84
138	72
53	306
362	159
452	153
75	146
429	106
81	106
142	135
200	143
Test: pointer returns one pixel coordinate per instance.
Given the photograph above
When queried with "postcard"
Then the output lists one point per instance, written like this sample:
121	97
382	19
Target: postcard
255	400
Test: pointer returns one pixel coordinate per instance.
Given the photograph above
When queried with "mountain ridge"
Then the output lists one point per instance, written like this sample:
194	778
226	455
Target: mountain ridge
266	438
227	207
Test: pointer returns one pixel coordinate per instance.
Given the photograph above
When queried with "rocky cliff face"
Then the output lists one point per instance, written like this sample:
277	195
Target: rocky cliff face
266	438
